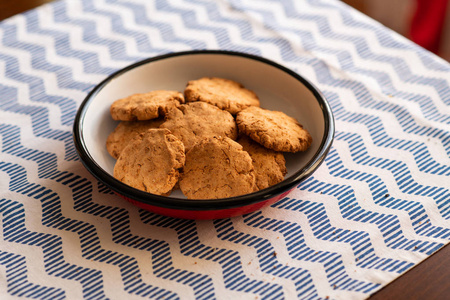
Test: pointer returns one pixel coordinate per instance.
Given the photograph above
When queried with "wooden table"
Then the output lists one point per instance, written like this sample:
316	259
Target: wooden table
428	280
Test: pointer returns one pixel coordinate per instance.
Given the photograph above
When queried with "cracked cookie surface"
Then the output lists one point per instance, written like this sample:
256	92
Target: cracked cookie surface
270	166
145	106
127	131
217	167
151	163
273	129
194	121
223	93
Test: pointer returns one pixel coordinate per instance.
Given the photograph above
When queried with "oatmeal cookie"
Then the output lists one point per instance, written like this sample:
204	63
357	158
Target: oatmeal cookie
273	129
126	132
145	106
194	121
217	167
270	166
223	93
151	163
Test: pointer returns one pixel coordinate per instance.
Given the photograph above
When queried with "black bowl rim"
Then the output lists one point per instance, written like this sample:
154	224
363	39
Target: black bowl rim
203	204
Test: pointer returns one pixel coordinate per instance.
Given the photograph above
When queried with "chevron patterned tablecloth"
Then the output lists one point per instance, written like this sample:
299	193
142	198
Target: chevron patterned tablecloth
378	205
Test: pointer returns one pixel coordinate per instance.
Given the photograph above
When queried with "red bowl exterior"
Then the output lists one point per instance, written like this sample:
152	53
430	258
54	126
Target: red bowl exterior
206	214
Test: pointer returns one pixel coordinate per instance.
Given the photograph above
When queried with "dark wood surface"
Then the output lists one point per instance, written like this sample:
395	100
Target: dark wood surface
428	280
10	8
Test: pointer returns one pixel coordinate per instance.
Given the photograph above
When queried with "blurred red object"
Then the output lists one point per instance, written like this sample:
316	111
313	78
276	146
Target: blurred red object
428	22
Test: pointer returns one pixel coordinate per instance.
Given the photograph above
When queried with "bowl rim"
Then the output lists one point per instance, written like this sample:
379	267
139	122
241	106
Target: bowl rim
203	204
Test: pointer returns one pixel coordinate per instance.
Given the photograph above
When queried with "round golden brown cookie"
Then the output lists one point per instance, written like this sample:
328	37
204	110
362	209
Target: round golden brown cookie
217	167
270	166
126	132
151	163
273	129
194	121
145	106
223	93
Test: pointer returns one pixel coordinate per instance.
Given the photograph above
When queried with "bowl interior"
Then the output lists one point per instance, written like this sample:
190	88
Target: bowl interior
276	88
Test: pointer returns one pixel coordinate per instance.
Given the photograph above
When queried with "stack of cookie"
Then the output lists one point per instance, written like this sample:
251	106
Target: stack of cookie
212	142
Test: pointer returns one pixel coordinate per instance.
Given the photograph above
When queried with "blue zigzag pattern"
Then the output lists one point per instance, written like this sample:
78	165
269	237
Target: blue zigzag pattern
160	250
405	118
384	38
189	21
38	61
228	261
402	175
425	162
142	19
92	250
216	13
267	258
13	218
363	49
90	279
351	210
90	35
388	224
39	119
324	77
17	279
90	243
362	247
337	276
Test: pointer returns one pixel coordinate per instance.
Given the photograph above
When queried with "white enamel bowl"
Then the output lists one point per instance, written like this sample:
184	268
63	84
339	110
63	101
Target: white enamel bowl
277	87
